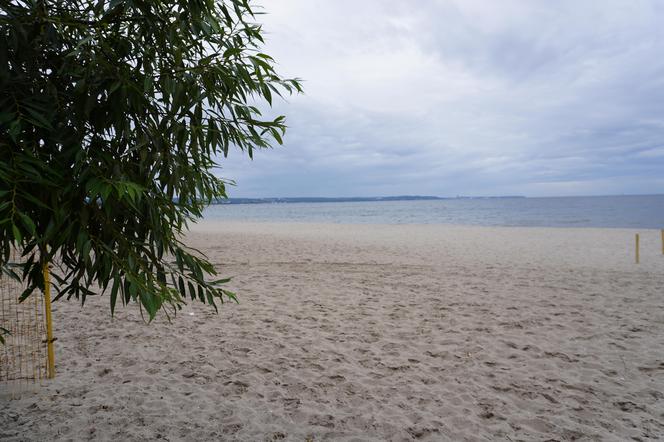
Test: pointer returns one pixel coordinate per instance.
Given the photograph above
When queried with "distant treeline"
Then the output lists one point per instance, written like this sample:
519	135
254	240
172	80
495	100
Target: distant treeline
348	199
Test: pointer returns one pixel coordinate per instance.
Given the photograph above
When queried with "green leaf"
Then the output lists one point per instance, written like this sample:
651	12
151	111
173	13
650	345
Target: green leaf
38	119
18	238
277	136
28	223
86	250
147	84
114	294
232	52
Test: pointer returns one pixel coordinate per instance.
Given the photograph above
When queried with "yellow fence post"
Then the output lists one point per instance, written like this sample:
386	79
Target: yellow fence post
637	248
49	322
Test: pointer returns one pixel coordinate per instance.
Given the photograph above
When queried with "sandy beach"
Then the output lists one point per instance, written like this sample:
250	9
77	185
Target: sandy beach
374	332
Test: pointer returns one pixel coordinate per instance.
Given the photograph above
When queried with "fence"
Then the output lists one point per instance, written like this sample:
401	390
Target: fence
26	356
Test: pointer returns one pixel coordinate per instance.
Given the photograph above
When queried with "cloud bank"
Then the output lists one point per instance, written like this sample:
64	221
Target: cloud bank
464	97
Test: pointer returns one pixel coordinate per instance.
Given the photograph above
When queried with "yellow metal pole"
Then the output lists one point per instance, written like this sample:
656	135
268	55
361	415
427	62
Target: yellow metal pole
662	241
49	322
637	248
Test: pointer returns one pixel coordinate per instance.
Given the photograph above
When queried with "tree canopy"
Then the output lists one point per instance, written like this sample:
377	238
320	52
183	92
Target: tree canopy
113	117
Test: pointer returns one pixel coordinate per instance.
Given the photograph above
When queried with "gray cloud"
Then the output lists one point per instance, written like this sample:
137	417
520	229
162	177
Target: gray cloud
464	97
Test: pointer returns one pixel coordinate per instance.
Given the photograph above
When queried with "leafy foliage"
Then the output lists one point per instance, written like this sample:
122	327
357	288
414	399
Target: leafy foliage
112	116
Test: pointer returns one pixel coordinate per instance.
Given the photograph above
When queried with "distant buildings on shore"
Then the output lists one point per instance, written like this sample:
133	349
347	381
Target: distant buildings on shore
349	199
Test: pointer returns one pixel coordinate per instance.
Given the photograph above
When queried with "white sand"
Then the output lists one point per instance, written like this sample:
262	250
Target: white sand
373	332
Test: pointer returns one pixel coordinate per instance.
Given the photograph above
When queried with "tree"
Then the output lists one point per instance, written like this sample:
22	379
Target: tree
113	115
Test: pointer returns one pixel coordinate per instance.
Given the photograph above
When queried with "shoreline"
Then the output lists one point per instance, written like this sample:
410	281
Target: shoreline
229	221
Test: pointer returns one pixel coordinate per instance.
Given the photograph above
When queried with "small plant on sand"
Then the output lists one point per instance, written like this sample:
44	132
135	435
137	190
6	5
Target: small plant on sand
113	114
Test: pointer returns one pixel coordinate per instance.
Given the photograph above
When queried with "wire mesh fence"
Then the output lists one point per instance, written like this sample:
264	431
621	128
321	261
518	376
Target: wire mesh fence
23	357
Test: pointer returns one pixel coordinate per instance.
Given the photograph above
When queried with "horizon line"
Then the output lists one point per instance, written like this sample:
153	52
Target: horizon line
441	197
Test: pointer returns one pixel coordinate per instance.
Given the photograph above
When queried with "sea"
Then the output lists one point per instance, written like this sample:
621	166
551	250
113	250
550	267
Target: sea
632	211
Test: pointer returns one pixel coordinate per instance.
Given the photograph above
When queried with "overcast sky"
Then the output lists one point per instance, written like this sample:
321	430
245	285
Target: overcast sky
464	97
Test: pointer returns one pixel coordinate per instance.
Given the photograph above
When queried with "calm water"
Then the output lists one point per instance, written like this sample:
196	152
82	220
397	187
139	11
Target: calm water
607	211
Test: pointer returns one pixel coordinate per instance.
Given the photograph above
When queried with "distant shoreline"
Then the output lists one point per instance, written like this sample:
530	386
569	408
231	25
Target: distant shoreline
617	212
352	199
